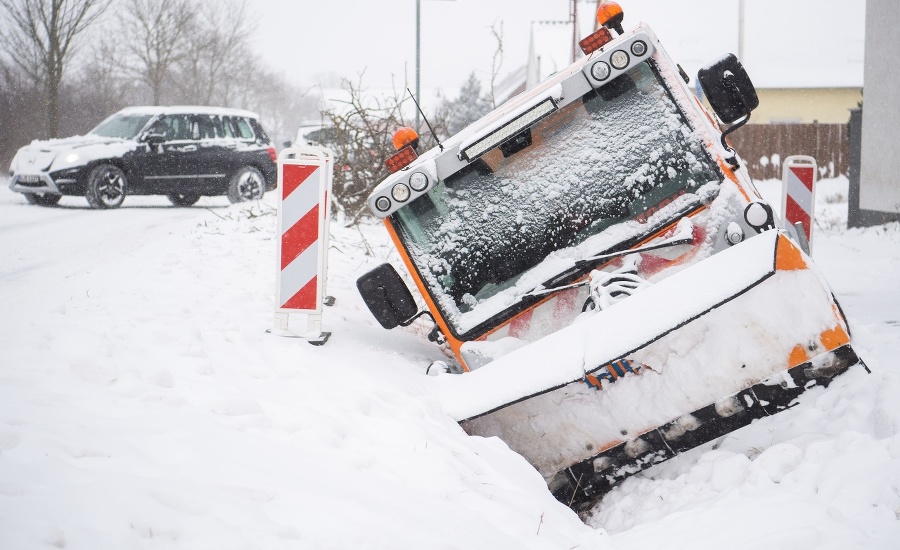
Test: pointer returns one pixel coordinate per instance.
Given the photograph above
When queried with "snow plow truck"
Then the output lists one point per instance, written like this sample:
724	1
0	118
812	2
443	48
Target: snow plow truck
612	286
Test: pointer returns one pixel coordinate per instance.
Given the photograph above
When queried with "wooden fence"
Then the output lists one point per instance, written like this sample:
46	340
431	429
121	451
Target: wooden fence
764	146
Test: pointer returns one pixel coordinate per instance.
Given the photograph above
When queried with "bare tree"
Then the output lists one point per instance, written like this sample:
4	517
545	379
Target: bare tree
364	126
497	60
21	110
451	116
218	52
102	79
158	38
41	38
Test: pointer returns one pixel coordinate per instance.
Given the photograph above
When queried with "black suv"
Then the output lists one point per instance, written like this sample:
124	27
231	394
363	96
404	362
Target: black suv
180	152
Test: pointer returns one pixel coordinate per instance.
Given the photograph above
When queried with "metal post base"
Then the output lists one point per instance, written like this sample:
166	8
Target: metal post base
314	333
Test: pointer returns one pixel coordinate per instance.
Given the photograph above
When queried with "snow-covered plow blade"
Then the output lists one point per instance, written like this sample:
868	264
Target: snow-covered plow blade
734	338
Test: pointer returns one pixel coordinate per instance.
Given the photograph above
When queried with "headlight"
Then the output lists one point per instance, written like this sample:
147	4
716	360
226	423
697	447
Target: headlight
418	181
639	48
600	71
71	157
383	204
400	192
619	59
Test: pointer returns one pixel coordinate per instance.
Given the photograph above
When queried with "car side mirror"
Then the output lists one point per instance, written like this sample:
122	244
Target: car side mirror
728	88
153	138
387	296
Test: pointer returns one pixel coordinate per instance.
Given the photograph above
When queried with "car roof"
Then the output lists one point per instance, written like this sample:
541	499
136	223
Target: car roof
187	109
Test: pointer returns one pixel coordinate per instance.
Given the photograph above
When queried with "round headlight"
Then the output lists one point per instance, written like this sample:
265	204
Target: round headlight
619	59
600	71
639	48
383	204
71	157
400	192
418	181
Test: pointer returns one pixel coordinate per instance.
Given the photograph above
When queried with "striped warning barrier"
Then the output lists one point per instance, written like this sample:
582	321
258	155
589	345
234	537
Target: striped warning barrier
304	182
798	196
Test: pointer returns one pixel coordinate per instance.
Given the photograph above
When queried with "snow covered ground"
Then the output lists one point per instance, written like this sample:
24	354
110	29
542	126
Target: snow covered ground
143	405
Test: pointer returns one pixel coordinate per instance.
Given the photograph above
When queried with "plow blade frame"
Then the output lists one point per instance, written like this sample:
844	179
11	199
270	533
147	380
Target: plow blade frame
584	482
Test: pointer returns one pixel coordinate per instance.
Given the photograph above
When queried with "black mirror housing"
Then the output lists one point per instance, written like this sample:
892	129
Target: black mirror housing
387	296
728	88
154	139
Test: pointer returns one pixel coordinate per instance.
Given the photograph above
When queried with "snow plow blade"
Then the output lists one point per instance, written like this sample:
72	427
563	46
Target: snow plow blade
734	338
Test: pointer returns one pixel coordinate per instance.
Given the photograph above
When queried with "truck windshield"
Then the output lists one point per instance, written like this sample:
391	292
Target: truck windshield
602	171
121	126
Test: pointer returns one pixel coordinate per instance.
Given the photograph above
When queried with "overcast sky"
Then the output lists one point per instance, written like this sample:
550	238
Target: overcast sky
315	42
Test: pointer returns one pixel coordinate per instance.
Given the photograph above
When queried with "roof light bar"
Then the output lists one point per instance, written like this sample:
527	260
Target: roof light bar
509	130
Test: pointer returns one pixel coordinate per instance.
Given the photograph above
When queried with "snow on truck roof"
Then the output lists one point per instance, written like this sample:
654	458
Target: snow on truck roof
187	109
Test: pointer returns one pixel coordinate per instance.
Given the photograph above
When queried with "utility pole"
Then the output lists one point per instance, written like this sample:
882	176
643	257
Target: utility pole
418	57
573	15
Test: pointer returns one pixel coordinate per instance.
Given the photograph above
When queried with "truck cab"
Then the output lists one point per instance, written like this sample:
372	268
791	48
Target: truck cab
605	156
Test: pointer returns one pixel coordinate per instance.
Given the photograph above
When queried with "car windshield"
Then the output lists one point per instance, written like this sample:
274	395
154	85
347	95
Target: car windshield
121	126
605	170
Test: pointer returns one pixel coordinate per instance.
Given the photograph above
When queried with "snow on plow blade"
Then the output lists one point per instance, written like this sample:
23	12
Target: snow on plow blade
702	353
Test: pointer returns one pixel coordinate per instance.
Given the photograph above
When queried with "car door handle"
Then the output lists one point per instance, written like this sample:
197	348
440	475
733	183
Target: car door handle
186	149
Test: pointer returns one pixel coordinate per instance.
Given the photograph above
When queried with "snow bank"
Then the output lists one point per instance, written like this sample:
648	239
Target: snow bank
143	406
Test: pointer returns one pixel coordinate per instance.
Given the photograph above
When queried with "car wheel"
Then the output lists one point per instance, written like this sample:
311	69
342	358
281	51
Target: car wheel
246	184
106	187
42	199
179	199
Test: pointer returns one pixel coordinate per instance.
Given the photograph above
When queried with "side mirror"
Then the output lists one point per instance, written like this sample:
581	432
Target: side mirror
154	138
387	296
728	88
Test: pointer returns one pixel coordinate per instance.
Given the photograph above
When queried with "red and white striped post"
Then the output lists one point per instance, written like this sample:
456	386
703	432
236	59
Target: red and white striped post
798	200
304	182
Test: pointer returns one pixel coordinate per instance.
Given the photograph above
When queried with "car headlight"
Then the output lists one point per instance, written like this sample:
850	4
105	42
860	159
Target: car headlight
71	157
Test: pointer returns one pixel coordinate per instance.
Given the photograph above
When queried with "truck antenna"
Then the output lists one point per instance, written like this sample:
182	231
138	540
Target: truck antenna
433	134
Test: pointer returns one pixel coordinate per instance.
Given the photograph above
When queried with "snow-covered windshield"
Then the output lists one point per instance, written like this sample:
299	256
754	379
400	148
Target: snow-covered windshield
593	175
121	126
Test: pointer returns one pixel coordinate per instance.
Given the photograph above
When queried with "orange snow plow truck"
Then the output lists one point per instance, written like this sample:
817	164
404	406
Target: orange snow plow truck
612	285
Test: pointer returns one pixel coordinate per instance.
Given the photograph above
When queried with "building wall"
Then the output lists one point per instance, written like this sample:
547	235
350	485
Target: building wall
824	105
879	187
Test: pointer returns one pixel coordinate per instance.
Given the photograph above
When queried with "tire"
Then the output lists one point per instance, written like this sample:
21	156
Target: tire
246	184
42	199
179	199
106	187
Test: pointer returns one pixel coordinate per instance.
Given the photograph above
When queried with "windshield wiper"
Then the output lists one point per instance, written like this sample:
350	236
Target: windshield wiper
684	234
